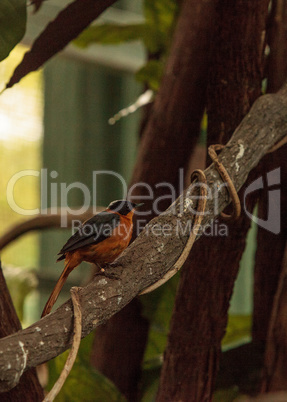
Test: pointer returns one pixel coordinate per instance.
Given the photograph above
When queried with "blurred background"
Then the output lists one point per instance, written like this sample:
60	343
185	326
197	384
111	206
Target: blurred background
57	119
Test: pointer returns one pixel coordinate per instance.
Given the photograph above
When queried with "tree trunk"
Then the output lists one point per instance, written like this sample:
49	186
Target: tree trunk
275	369
269	323
277	39
29	387
270	249
171	131
200	314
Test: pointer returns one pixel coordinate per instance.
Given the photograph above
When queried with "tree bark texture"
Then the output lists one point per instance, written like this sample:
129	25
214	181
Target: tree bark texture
276	69
235	80
174	123
29	387
270	249
206	284
152	255
275	368
169	136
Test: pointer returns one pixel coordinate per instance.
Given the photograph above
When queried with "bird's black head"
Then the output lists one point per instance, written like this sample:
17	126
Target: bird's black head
123	207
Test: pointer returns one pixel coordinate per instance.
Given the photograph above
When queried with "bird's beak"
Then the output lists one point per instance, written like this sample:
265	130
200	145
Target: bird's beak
139	205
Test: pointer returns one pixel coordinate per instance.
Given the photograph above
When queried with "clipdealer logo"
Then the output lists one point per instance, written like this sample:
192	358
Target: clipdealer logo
55	194
273	221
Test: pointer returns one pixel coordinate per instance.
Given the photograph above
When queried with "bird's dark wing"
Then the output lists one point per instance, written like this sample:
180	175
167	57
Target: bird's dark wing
93	231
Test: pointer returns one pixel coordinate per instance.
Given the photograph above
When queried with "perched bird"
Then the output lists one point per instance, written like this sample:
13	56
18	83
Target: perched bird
99	240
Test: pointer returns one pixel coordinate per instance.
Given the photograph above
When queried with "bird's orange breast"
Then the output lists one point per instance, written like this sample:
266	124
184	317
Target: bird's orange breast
109	249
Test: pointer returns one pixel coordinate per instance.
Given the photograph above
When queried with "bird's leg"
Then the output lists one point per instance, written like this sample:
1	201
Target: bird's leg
103	266
99	268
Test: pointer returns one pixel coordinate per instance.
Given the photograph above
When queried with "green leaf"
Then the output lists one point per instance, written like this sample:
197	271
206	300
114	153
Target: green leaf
238	330
111	34
84	383
158	307
155	33
160	12
12	25
114	34
160	16
151	74
68	24
226	395
149	384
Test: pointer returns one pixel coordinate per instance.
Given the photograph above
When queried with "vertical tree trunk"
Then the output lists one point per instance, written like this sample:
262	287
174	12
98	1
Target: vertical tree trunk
200	314
275	368
29	387
270	251
277	39
269	323
168	139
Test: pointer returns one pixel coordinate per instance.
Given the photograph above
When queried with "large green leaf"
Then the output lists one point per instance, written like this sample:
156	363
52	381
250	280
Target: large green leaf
114	34
111	34
238	330
12	25
160	15
83	383
151	74
155	33
68	24
225	395
158	307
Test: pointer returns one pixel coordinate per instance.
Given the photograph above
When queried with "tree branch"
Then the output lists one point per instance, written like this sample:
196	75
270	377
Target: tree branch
29	387
152	254
43	221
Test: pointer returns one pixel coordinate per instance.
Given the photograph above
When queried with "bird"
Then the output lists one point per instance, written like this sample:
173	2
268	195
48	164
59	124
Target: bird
99	240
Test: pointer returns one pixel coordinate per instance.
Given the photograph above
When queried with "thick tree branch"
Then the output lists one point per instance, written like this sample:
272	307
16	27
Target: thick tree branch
29	386
43	221
152	254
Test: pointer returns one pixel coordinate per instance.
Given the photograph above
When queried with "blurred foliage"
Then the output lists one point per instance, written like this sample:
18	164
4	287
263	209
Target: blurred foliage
238	330
155	33
151	73
20	283
20	148
21	113
158	307
84	383
225	395
12	25
112	34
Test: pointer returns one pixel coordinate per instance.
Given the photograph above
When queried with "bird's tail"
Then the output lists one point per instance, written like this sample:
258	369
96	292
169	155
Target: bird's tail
69	266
